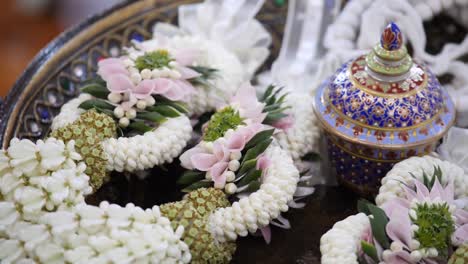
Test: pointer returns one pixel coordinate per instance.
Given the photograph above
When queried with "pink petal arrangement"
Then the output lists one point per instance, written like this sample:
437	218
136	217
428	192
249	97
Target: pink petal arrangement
399	226
118	78
246	102
215	157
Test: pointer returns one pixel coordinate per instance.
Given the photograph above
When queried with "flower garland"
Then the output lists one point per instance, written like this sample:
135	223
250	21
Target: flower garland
300	133
44	218
418	218
141	90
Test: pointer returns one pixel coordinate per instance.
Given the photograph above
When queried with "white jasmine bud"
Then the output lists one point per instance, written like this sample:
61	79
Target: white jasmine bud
414	244
150	100
173	64
219	185
128	62
234	165
229	132
208	145
230	188
175	74
156	73
146	74
165	72
135	77
141	104
208	175
235	155
230	176
133	70
413	214
131	113
414	228
124	122
118	112
114	97
416	256
396	246
432	252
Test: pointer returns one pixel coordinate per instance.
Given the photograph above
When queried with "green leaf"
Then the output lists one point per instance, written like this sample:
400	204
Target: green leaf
96	103
96	90
379	223
246	166
272	117
190	177
362	206
97	80
254	152
179	106
105	111
268	92
165	110
259	137
152	116
140	126
197	185
272	98
253	186
370	251
250	176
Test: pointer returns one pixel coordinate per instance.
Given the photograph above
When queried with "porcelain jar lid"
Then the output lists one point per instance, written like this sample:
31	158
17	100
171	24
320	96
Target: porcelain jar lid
385	98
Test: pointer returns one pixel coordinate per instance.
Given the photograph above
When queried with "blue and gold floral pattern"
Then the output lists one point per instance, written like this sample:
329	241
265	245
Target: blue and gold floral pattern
379	111
391	38
367	109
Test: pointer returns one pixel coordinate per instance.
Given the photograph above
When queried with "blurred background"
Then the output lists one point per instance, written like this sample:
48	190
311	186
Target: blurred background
26	26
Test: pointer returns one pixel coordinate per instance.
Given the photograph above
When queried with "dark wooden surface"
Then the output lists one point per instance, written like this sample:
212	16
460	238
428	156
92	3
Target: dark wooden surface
300	244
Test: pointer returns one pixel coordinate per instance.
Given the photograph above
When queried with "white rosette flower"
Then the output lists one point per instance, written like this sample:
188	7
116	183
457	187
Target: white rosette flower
260	207
402	174
44	218
341	243
303	135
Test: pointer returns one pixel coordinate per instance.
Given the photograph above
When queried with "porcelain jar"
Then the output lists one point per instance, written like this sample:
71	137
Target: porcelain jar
379	109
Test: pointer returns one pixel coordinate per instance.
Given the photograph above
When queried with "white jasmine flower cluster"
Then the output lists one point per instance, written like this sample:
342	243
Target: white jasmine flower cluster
303	136
230	75
139	152
392	183
43	217
150	149
126	115
260	207
70	112
341	243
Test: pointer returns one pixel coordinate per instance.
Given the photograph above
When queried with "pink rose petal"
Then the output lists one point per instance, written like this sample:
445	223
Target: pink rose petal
186	157
175	93
188	73
119	83
236	142
203	161
217	172
220	151
266	233
185	56
284	123
162	85
144	89
461	234
263	162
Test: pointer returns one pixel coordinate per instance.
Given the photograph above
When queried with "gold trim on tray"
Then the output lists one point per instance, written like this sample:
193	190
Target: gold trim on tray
72	49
